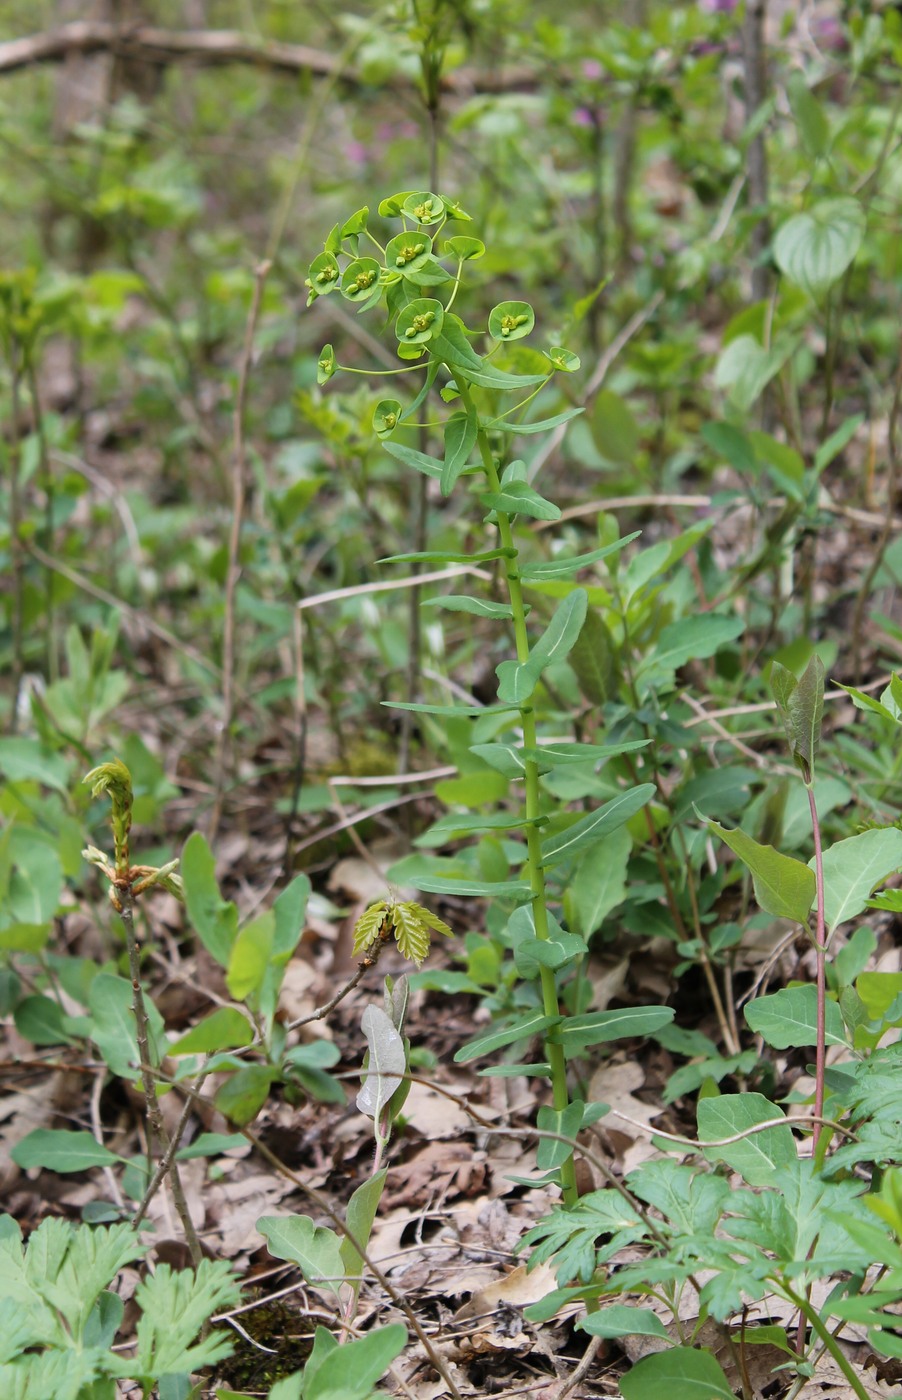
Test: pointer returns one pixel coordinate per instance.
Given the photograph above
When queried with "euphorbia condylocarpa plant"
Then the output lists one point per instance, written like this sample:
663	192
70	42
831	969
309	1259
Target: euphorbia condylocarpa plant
524	850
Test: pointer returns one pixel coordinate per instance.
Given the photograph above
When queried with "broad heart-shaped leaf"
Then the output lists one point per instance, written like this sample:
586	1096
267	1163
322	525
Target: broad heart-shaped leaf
680	1373
788	1018
517	680
761	1156
550	1152
62	1151
524	1028
350	1372
316	1250
815	248
801	706
783	887
853	867
386	1062
213	919
460	435
598	1027
587	830
691	638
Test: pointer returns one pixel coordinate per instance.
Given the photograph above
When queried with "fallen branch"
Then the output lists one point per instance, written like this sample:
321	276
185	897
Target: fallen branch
211	47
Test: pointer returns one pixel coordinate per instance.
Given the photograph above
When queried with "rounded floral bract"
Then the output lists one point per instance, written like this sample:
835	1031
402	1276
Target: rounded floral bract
421	320
510	320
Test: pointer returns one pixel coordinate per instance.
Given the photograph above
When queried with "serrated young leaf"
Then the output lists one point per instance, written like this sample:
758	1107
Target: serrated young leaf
174	1307
369	926
431	920
411	933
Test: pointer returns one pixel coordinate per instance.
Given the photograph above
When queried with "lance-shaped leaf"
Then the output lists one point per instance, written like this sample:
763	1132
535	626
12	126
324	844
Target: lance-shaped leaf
386	1064
783	887
801	706
460	435
591	828
517	679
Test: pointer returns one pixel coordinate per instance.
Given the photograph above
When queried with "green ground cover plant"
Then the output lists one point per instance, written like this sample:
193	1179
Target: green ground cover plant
509	567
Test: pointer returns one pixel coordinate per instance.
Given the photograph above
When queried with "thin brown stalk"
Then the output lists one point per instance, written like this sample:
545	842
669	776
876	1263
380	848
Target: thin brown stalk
223	755
156	1126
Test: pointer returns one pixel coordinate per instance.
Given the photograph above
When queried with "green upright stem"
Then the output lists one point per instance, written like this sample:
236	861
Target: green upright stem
821	1134
550	1004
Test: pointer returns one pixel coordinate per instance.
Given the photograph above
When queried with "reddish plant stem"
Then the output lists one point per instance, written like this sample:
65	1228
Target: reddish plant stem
821	954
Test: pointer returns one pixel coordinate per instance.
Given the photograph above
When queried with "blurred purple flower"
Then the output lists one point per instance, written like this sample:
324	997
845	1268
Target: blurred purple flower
592	68
356	153
582	117
719	7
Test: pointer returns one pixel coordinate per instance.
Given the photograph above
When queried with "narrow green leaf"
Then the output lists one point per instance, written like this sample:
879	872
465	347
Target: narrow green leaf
476	889
460	437
61	1151
761	1156
477	607
544	425
225	1029
214	919
584	832
420	461
783	887
448	711
599	1027
524	1028
518	498
360	1215
551	1153
211	1145
443	557
813	126
517	680
564	568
